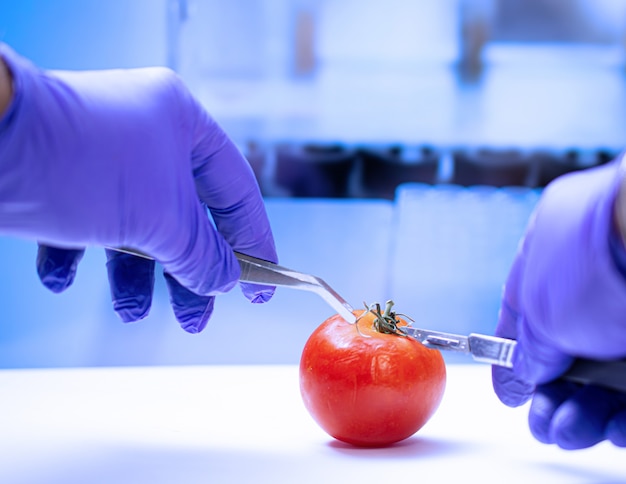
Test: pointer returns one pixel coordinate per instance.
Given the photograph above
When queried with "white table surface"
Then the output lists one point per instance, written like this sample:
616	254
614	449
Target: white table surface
239	424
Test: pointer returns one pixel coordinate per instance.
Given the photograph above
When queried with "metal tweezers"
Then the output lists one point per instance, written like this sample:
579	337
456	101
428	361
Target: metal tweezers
258	271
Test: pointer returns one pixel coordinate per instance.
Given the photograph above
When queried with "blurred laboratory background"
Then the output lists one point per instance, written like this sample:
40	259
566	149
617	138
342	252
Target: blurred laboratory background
400	145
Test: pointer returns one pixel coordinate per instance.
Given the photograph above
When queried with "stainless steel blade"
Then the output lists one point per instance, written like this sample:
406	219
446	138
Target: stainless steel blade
487	349
437	339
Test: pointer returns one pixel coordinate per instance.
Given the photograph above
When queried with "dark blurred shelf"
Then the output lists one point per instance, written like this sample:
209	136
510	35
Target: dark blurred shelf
383	170
314	170
490	167
338	170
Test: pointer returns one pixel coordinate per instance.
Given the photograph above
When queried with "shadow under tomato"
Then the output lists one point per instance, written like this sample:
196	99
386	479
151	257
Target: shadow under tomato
413	447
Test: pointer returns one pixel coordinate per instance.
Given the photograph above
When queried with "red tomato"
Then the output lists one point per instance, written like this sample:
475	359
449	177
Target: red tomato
369	388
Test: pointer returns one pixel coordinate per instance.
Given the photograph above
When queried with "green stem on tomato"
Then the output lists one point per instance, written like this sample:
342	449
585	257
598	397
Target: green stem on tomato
385	322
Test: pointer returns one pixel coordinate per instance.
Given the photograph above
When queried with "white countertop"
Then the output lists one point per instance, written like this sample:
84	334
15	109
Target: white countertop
247	424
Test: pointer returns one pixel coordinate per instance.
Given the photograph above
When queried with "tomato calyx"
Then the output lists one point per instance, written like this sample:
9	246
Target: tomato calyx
386	321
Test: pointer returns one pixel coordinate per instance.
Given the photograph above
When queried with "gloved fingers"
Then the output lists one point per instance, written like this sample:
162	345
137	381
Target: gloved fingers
227	185
57	267
546	401
582	421
515	386
235	203
131	281
191	310
256	293
616	429
535	359
245	226
510	308
206	265
573	417
511	390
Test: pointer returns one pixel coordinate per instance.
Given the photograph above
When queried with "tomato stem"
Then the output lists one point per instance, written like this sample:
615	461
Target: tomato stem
385	322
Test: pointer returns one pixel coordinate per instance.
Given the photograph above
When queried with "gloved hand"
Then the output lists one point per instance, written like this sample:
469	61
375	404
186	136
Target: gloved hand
565	297
128	158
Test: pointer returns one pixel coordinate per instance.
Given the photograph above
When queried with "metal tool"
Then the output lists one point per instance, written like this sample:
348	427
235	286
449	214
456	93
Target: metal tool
499	351
258	271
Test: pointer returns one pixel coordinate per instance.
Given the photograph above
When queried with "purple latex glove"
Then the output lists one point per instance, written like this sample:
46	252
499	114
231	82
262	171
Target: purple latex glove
565	297
128	158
